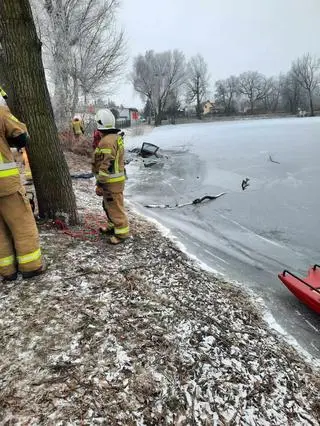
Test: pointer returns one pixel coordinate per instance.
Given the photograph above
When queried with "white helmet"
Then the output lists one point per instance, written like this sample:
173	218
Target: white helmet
105	119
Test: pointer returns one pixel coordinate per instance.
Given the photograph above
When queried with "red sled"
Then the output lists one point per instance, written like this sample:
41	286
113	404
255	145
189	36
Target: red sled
307	290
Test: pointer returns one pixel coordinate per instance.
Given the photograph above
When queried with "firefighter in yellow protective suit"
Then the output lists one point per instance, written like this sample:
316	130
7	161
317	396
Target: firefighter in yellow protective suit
25	160
77	127
108	167
19	238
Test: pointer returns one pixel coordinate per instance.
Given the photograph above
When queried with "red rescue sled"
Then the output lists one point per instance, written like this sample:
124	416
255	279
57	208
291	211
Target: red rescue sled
307	289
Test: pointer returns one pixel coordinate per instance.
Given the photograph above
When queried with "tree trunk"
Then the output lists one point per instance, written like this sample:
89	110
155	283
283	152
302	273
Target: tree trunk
30	101
75	97
311	103
60	101
198	102
198	109
157	119
158	115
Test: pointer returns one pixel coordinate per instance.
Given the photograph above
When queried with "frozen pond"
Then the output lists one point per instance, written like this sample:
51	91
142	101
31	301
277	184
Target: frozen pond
252	235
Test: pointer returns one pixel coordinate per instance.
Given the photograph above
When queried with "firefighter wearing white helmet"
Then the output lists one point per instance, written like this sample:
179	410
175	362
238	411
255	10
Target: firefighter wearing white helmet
108	167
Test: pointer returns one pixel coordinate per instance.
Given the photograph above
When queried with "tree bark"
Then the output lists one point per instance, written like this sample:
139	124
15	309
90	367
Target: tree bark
29	99
311	103
75	96
158	115
198	100
251	106
157	119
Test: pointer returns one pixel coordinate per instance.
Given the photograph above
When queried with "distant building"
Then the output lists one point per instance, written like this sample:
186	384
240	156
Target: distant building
208	108
130	114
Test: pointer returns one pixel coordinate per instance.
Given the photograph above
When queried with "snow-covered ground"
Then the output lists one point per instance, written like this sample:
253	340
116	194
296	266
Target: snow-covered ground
138	334
247	236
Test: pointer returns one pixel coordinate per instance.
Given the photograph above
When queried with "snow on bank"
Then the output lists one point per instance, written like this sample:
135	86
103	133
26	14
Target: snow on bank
138	335
257	301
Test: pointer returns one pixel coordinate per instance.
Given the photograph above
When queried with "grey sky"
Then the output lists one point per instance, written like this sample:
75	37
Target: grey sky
232	35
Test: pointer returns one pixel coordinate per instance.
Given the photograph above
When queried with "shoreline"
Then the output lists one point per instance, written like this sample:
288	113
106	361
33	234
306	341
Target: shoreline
140	334
259	303
223	118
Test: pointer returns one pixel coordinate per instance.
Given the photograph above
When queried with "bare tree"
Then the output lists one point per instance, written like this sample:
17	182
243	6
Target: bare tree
197	81
101	56
226	92
173	106
29	98
292	94
156	75
87	50
306	71
254	86
272	93
147	112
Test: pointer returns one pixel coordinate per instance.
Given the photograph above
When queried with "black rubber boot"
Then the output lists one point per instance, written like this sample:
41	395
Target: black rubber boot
11	277
106	231
32	274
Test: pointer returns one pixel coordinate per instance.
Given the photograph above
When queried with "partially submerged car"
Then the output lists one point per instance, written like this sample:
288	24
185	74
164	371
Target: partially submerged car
149	153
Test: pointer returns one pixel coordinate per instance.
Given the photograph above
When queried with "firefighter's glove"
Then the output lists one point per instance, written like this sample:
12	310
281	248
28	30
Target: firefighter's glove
99	191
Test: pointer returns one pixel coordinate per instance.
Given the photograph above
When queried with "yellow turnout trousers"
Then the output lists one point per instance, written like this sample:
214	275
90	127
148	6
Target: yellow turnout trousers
117	218
19	238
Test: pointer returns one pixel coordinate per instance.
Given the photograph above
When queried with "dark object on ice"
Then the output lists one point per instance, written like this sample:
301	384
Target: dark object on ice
135	150
148	150
245	183
82	176
150	164
273	161
307	290
177	206
206	197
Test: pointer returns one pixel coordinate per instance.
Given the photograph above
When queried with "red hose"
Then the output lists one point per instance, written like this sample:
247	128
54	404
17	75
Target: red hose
89	230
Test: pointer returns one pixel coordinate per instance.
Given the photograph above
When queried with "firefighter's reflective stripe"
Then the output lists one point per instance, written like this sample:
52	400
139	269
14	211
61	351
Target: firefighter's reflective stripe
114	177
7	166
111	175
7	169
120	142
7	261
121	231
8	173
2	92
13	118
116	163
119	150
103	151
117	180
30	257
